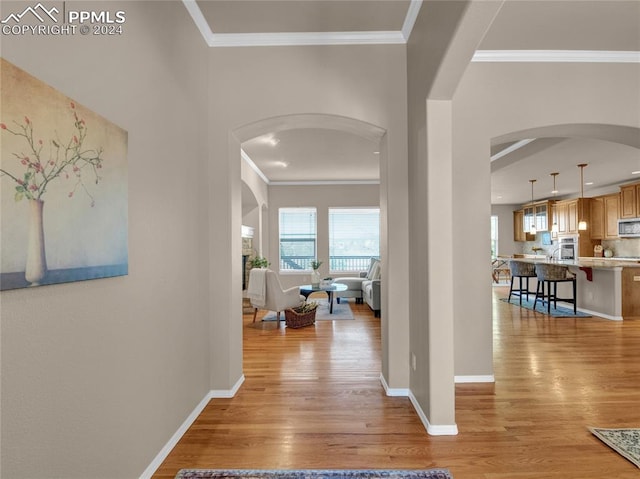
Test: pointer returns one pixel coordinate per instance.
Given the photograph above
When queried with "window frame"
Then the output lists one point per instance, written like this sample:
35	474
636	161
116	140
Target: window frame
365	258
306	258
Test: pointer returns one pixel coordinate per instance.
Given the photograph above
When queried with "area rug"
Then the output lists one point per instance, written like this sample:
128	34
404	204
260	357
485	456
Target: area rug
340	311
559	312
625	442
314	474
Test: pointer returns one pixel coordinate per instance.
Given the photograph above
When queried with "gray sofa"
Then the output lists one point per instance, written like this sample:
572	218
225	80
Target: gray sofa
365	287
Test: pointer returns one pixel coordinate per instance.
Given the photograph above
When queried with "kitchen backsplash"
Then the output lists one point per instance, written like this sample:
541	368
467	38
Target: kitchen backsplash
627	247
623	247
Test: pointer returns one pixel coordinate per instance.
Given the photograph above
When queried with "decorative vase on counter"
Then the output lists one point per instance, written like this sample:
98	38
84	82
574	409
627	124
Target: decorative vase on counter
315	278
608	253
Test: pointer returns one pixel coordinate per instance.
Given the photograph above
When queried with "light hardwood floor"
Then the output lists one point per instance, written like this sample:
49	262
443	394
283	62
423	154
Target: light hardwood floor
312	398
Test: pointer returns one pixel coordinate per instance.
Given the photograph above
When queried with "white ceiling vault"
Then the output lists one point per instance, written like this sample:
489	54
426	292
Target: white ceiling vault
523	31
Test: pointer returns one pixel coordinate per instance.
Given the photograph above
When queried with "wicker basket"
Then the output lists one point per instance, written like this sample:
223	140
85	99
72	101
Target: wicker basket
294	319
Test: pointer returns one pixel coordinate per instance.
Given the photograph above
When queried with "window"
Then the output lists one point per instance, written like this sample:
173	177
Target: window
494	237
297	238
354	238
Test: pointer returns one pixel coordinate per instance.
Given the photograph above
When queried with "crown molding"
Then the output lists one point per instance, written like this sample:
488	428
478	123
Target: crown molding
324	183
564	56
302	38
264	178
253	166
410	19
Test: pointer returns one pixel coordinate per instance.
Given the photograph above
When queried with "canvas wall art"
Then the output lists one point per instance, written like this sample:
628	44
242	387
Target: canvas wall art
63	187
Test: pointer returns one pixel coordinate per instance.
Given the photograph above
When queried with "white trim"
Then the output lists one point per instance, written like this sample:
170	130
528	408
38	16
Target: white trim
432	429
397	392
227	393
198	18
324	182
304	39
184	427
410	19
253	166
566	56
516	146
489	378
596	314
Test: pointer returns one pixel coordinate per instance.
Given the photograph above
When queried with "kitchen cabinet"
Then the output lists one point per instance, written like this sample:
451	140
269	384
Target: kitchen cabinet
561	216
630	201
518	221
570	212
611	215
597	218
604	217
536	214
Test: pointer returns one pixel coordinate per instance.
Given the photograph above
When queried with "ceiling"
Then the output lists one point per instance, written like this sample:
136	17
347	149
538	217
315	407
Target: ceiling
317	155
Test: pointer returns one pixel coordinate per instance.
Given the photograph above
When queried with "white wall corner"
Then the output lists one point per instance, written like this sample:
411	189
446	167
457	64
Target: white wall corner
184	427
488	378
433	429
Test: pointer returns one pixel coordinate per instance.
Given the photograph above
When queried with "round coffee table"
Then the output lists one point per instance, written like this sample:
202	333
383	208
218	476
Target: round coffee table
307	289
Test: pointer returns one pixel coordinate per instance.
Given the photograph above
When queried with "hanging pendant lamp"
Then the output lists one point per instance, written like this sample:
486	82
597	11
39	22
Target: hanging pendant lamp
582	224
532	228
554	226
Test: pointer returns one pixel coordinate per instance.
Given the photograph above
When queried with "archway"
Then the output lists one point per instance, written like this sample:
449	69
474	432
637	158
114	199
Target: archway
355	127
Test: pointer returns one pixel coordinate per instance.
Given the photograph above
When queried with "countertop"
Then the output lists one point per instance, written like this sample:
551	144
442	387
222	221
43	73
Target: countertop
587	262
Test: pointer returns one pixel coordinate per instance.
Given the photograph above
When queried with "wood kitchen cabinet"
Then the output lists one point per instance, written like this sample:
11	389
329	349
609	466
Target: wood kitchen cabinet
630	201
570	212
611	216
604	217
518	221
597	218
561	216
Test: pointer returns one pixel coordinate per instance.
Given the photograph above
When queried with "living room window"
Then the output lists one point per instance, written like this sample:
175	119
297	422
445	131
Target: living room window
297	238
354	238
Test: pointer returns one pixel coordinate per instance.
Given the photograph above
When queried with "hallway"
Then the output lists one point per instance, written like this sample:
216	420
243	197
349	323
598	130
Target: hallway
312	398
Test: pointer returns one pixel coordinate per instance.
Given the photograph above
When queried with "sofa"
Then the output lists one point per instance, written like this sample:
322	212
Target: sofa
365	287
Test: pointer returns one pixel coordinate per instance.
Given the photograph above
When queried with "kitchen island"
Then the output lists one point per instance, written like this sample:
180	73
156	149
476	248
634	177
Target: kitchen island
606	287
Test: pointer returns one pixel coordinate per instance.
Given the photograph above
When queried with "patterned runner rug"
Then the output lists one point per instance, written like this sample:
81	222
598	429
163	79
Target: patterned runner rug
313	474
625	442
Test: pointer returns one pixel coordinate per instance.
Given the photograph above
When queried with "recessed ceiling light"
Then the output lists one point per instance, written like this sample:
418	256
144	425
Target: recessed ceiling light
635	172
376	152
554	192
282	164
588	183
268	140
499	197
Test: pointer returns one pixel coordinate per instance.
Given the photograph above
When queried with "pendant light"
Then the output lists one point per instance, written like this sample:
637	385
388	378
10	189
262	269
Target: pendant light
582	224
532	228
554	226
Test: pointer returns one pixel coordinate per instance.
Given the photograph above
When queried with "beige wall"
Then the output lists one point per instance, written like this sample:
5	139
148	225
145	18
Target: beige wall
493	100
443	41
506	245
322	198
98	375
366	84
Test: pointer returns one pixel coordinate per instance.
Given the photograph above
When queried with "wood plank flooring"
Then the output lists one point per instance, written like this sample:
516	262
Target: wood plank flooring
312	399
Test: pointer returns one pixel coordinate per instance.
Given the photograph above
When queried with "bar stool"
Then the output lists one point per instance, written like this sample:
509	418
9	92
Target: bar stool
549	275
520	270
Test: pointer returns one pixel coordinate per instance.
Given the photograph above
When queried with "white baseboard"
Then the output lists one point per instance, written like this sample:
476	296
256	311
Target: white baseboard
400	392
168	447
432	429
489	378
